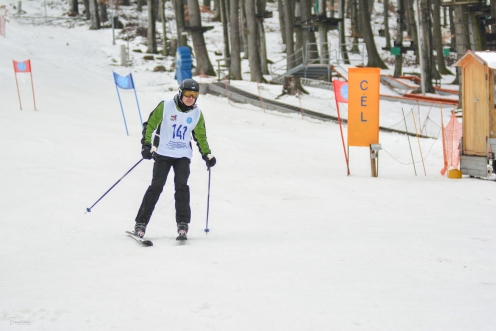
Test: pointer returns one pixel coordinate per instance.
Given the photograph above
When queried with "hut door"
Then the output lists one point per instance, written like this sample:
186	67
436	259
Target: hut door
475	109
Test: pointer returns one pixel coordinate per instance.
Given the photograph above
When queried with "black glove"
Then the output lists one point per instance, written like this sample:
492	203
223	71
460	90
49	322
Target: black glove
209	160
146	152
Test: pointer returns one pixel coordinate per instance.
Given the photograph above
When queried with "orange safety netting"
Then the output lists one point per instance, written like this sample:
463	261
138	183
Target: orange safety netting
451	142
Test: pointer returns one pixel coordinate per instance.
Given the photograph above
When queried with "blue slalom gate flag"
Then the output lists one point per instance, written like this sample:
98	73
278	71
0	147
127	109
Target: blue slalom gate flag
126	83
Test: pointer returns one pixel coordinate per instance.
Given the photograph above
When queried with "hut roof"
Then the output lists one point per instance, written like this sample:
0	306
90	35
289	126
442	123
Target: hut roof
486	57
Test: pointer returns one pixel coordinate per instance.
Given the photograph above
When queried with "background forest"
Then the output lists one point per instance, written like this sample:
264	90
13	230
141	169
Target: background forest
430	29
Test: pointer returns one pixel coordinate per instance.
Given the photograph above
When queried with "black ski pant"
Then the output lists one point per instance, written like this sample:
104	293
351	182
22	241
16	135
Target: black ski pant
161	169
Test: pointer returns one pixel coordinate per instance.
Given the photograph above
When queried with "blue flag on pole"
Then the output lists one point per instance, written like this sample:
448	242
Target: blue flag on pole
124	82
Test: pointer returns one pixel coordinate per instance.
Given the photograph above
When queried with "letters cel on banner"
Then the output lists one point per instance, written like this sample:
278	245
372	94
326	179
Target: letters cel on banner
363	106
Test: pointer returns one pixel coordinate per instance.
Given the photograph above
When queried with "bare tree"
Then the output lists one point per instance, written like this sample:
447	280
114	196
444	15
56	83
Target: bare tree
298	35
102	9
462	41
152	30
398	64
235	65
426	46
288	32
308	34
225	32
86	4
254	57
165	50
374	59
386	23
412	25
355	18
244	30
203	64
342	36
217	16
438	40
262	45
94	17
74	7
182	40
324	50
282	23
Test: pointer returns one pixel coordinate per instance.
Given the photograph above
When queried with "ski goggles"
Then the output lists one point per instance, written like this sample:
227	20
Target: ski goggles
191	94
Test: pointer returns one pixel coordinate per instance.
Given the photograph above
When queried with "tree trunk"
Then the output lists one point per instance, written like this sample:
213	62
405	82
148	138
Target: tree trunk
262	46
95	18
412	26
217	16
374	59
103	11
386	23
292	86
309	40
125	3
288	32
151	31
225	32
298	35
438	39
254	57
342	36
140	5
244	31
235	68
425	47
355	33
324	50
398	63
87	10
182	40
493	15
165	50
203	65
282	24
462	41
74	7
452	28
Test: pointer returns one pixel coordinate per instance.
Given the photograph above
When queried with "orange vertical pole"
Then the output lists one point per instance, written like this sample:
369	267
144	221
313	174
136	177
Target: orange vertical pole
18	93
32	87
342	138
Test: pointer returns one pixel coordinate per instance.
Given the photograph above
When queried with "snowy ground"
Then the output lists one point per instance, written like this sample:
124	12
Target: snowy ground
295	244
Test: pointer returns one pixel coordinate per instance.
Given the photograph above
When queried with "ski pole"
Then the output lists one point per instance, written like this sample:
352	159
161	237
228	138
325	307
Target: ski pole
89	209
208	200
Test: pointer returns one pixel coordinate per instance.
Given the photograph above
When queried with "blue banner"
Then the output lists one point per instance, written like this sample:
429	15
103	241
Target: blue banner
124	82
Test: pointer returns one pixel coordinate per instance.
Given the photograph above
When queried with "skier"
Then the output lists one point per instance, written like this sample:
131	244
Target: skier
175	122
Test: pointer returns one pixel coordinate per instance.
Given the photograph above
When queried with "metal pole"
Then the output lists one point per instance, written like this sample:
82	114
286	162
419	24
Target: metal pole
112	19
207	230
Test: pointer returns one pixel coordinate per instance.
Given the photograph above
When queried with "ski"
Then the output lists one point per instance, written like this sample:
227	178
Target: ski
142	241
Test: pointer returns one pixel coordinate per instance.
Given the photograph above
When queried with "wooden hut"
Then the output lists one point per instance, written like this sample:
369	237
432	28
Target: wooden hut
479	113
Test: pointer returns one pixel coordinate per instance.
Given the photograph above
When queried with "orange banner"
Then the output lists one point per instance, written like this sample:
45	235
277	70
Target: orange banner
363	106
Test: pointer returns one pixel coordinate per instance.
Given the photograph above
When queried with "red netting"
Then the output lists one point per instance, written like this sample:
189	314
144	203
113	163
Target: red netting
452	135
